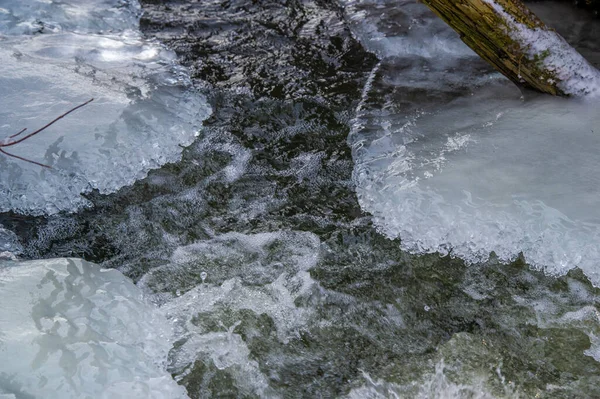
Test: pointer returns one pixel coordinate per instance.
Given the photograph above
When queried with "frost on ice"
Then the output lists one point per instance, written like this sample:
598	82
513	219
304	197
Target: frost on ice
450	158
69	329
56	55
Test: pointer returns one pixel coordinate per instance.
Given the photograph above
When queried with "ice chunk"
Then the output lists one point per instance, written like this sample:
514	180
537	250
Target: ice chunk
464	165
392	28
69	329
145	108
9	244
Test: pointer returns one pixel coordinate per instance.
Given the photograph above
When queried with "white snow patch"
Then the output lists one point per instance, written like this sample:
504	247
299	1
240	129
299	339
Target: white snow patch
576	76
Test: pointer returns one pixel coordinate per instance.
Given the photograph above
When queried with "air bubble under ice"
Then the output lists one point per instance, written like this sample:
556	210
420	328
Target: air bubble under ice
144	110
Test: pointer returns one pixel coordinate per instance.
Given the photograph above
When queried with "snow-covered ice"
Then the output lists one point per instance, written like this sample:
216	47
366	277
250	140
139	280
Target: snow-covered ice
56	55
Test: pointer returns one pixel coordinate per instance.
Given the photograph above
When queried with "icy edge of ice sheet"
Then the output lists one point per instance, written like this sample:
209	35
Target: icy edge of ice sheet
576	76
69	329
25	17
514	177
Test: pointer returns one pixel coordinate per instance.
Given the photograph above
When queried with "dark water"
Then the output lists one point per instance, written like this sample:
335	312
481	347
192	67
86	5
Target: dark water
364	319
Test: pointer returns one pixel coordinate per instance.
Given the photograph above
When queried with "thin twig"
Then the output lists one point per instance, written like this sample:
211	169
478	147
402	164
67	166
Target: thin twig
14	142
24	159
16	134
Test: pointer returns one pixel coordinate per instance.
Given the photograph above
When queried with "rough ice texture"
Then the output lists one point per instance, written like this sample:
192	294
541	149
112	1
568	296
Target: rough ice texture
69	329
83	16
452	160
144	108
9	243
575	76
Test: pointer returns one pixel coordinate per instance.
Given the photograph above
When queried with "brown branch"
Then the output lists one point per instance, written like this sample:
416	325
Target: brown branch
24	159
8	143
16	134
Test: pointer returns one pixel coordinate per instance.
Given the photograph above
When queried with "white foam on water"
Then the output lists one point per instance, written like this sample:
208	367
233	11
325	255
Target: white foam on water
144	110
436	385
69	329
476	168
263	273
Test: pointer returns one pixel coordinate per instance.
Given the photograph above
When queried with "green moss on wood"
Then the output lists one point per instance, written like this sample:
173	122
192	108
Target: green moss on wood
487	32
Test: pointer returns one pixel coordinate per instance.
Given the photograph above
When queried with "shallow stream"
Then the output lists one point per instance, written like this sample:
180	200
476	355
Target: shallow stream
290	199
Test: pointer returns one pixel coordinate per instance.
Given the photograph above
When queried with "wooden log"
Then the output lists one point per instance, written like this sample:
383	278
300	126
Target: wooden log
509	36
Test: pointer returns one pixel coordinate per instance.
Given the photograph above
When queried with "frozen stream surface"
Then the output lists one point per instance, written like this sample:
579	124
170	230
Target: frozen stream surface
69	329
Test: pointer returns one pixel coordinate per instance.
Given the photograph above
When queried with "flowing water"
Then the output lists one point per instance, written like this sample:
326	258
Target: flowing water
367	211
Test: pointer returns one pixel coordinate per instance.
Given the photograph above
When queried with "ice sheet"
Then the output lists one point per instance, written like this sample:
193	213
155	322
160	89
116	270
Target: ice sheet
455	160
144	107
69	329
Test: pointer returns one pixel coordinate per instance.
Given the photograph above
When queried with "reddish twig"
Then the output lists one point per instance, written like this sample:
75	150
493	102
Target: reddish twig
9	142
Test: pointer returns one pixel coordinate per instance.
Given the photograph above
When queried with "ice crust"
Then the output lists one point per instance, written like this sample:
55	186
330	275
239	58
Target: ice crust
454	160
144	110
69	329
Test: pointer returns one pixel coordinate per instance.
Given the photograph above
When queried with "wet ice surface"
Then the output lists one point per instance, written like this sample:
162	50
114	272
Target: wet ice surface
144	107
40	16
9	244
70	329
450	158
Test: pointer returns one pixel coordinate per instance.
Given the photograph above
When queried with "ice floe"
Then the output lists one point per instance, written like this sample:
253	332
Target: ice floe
69	329
451	158
56	55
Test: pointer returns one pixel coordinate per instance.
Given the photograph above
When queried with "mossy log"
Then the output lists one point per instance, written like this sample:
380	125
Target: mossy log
517	43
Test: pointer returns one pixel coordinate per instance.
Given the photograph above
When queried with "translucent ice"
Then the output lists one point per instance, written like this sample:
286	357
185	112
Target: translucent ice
9	243
42	16
450	158
69	329
144	106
